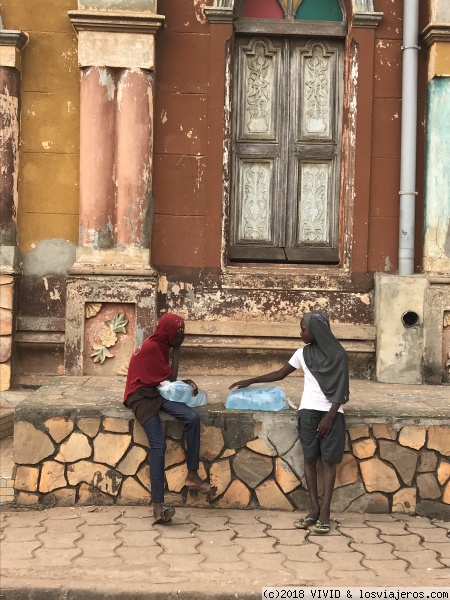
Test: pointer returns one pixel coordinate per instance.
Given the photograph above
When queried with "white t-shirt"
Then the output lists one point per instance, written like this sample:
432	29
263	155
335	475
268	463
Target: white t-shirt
313	398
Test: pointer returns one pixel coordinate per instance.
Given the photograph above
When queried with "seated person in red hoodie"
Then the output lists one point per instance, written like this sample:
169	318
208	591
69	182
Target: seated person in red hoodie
149	366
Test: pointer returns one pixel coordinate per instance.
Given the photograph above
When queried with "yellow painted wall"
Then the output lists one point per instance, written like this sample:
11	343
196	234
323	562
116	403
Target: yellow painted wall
439	62
49	150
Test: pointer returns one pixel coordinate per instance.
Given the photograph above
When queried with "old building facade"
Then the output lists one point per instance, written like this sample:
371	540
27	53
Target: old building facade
236	162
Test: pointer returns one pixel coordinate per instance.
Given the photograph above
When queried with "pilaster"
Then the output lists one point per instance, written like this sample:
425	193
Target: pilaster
116	55
360	108
112	282
436	37
436	248
11	44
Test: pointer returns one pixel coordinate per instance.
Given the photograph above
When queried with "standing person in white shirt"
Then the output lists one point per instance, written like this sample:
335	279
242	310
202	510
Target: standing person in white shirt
321	422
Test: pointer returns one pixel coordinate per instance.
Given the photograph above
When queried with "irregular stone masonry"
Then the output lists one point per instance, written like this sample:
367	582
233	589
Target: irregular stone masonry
72	459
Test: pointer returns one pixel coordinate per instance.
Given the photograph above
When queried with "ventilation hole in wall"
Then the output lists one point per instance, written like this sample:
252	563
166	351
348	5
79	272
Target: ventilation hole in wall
410	318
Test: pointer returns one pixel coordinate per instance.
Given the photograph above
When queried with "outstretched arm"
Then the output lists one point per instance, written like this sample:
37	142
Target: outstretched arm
286	370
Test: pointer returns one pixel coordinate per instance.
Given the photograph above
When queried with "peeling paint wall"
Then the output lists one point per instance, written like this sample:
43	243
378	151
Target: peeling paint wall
48	171
9	155
149	5
47	203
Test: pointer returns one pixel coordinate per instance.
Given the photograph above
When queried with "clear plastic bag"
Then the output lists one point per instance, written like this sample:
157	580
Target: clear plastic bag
179	391
257	398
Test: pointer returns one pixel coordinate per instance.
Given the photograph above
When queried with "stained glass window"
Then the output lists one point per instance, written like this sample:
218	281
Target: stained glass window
325	10
265	9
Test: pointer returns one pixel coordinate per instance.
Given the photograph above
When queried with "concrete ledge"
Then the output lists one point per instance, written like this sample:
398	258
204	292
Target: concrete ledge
75	443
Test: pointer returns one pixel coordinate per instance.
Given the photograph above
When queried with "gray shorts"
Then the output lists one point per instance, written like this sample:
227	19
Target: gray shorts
331	447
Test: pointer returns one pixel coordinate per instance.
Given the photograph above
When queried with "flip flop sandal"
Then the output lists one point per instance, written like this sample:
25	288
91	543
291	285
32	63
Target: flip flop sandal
305	522
165	517
322	528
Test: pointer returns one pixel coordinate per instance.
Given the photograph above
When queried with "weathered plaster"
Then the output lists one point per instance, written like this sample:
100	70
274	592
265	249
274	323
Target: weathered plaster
144	5
439	11
9	169
116	49
106	79
399	348
50	257
437	303
437	189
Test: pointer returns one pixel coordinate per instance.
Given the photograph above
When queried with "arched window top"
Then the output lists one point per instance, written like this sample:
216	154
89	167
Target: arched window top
306	10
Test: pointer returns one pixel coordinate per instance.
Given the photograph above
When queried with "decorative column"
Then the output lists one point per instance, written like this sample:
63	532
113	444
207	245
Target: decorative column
11	43
116	57
112	281
436	250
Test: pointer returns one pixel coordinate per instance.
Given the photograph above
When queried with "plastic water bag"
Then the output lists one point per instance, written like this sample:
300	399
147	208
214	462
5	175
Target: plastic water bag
257	398
179	391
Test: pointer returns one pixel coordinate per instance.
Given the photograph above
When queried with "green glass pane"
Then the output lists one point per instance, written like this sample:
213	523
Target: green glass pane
319	10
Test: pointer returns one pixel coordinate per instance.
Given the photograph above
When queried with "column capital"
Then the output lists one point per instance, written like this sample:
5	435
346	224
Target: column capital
367	20
436	32
121	39
12	41
219	14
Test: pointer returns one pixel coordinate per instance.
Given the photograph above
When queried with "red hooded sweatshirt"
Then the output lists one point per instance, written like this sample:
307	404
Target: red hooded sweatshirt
150	365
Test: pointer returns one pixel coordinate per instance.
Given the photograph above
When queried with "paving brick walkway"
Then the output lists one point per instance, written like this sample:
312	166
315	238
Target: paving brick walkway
116	551
6	470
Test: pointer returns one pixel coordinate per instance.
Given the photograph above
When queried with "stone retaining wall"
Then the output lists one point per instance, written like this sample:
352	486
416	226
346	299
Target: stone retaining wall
254	459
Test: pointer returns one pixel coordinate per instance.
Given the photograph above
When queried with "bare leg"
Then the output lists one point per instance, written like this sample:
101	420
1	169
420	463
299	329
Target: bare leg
329	477
157	509
311	482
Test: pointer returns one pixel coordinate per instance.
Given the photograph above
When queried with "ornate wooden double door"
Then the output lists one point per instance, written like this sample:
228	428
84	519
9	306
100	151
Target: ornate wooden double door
287	129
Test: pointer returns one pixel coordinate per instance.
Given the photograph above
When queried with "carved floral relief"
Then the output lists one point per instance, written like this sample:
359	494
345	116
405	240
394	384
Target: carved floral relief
109	337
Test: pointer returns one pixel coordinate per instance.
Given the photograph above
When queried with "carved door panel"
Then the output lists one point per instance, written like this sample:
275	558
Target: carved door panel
314	152
286	146
259	152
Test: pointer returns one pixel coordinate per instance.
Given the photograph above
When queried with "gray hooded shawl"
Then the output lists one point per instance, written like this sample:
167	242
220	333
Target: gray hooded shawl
326	358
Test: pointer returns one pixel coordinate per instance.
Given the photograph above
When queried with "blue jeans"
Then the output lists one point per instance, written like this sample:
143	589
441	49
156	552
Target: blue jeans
155	434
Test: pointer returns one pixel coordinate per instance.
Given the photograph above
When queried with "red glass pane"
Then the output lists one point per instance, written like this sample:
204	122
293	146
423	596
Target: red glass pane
265	9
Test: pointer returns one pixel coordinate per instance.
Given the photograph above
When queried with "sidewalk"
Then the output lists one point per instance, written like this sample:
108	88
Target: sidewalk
115	552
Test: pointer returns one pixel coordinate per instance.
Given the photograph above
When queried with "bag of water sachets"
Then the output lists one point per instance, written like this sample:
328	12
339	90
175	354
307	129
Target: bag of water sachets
179	391
257	398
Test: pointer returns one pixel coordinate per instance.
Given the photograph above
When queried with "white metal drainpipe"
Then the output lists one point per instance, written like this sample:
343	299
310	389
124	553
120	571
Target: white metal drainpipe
408	191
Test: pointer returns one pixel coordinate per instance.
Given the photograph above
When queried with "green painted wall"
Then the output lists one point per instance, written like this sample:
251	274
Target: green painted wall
437	188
